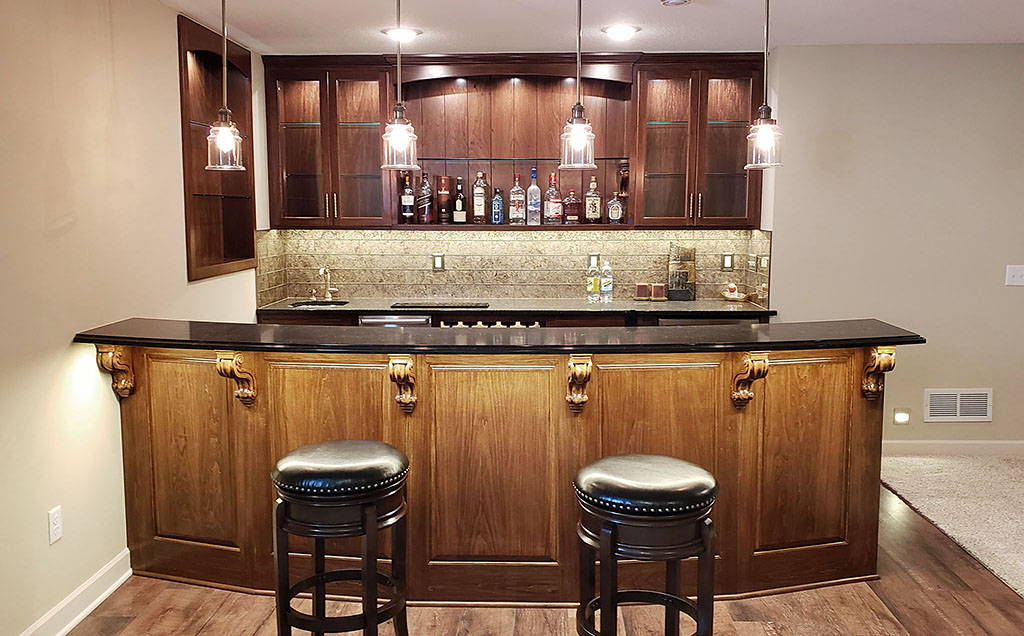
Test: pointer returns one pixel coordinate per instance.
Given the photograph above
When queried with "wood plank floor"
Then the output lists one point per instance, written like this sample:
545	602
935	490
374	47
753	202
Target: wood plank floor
928	587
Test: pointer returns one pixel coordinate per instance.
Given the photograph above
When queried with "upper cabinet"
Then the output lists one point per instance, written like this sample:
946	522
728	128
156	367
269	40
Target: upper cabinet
324	131
220	212
676	123
691	145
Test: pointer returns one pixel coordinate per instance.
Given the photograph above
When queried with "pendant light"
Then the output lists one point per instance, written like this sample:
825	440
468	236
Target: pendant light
763	141
578	135
399	136
224	144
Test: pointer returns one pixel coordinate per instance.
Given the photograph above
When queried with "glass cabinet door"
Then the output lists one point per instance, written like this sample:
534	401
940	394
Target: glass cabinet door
666	143
724	192
300	189
358	197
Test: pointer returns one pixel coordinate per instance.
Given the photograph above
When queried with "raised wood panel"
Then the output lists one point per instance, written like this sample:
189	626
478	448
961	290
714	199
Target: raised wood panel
803	481
489	419
358	100
193	467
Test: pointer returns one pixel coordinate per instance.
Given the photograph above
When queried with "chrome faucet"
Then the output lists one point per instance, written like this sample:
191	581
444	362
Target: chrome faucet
328	290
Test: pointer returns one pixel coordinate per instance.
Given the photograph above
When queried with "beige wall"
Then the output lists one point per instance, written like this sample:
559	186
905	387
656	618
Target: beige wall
92	232
900	199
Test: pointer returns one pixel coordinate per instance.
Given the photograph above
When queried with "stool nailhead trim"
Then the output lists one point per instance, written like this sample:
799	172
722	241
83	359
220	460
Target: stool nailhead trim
643	509
329	491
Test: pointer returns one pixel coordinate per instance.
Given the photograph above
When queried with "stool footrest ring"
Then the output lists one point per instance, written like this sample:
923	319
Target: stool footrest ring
585	613
301	620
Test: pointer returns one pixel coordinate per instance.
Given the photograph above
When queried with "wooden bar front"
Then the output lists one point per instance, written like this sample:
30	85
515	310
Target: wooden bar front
794	438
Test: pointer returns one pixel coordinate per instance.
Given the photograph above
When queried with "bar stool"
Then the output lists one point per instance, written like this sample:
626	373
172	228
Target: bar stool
341	489
648	508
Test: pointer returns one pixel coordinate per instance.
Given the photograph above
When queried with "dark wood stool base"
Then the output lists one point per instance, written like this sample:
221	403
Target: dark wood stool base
322	518
600	531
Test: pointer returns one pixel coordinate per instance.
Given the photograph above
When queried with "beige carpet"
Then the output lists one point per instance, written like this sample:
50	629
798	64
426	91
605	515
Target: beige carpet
977	501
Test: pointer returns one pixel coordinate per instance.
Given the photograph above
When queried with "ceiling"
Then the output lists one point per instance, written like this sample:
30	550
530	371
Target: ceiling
477	26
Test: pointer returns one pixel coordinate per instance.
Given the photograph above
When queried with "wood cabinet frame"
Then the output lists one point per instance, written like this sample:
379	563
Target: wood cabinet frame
618	67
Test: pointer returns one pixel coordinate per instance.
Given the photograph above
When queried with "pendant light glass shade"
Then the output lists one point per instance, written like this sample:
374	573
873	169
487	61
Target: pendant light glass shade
764	138
578	135
224	143
399	136
578	142
763	142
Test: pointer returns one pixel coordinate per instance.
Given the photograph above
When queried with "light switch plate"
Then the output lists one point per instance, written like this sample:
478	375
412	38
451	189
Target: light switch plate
1015	275
55	523
437	261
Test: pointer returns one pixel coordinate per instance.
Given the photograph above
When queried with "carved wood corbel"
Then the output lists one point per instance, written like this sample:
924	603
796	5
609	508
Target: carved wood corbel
580	368
401	373
229	365
881	361
755	367
118	363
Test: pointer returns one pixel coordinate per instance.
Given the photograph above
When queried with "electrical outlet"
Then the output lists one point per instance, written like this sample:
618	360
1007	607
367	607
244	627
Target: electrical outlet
728	261
594	260
437	261
901	416
55	523
1015	275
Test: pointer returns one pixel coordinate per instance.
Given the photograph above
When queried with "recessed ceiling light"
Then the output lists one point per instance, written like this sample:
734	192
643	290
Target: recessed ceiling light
402	35
620	32
675	3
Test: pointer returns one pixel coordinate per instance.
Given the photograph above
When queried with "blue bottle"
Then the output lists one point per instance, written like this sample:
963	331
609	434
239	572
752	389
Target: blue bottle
497	208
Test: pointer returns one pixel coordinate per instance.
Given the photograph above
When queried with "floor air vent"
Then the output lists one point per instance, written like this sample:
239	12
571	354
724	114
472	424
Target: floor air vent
958	405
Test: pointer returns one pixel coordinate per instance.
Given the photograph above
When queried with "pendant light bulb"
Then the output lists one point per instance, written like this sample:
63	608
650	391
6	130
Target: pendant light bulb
224	143
578	135
765	135
399	135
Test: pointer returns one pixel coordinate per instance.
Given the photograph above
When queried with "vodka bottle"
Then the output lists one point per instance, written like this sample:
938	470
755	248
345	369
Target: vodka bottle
533	199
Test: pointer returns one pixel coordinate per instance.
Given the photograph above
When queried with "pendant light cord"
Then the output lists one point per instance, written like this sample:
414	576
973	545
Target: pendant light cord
579	50
398	25
224	51
766	24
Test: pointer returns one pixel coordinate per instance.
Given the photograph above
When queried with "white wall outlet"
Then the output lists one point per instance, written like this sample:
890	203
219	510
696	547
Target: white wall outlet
1015	275
728	261
901	416
437	262
55	522
594	260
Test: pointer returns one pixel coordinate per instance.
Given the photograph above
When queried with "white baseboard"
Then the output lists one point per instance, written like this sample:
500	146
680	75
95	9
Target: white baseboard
76	606
1013	447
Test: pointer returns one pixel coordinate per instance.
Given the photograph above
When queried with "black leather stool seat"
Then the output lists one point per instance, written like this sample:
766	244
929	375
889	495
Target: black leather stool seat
346	468
646	485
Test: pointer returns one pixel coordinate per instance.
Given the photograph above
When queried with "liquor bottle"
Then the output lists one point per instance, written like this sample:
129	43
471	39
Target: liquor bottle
592	203
606	283
533	199
480	199
444	200
553	202
407	207
517	204
615	209
624	186
459	213
572	207
497	208
425	201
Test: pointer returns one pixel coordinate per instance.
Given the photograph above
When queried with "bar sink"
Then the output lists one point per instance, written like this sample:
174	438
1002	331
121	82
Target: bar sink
319	303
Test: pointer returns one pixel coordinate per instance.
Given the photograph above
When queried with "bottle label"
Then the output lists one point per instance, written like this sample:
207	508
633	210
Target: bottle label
458	205
553	209
517	206
593	284
615	212
593	208
407	199
606	285
479	204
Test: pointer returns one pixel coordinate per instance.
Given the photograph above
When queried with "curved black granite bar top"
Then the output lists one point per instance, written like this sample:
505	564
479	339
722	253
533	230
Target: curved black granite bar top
183	334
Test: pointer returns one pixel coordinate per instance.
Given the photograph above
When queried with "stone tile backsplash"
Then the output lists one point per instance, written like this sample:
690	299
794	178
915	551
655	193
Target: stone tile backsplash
495	264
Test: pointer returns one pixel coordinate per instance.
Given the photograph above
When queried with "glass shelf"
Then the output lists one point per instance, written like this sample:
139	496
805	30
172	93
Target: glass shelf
298	123
359	123
668	123
730	122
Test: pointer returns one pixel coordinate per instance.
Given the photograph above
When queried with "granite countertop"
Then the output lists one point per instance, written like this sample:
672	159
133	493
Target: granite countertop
533	305
144	332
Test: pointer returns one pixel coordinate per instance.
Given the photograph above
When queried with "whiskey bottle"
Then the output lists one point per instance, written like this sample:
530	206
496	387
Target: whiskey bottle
444	200
624	187
533	215
517	204
572	206
615	210
553	202
407	203
425	201
480	199
459	213
497	208
592	203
